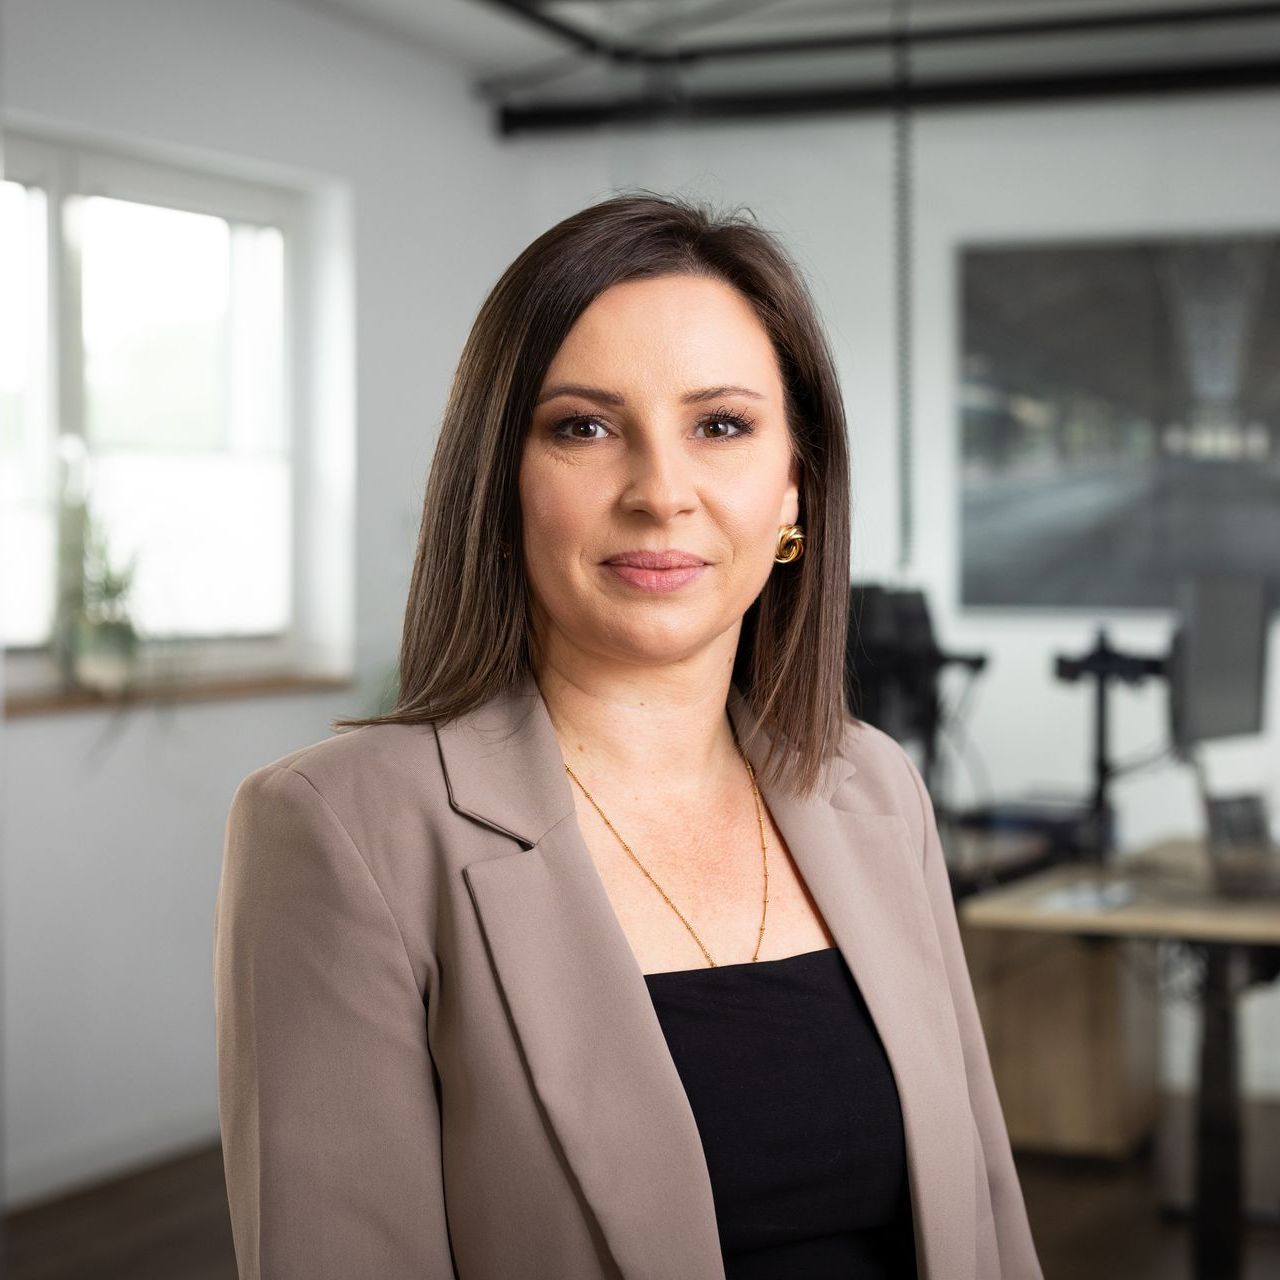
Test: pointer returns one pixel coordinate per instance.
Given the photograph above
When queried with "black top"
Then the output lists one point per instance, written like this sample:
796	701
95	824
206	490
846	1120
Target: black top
799	1116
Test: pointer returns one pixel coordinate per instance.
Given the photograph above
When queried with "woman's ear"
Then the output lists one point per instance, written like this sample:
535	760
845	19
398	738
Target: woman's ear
790	513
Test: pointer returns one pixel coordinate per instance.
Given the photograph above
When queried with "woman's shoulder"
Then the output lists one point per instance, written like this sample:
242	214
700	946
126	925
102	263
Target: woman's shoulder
301	826
372	776
365	753
869	747
367	747
886	777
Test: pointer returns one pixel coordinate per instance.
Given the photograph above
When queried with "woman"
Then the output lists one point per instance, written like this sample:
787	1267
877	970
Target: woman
618	948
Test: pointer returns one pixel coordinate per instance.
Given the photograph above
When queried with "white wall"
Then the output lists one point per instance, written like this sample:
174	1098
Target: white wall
111	841
112	830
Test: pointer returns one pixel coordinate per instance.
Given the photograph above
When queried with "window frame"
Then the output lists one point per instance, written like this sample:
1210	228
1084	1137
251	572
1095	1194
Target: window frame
68	171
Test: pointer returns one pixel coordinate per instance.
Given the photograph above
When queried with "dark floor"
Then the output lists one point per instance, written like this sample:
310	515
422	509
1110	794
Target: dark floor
1092	1221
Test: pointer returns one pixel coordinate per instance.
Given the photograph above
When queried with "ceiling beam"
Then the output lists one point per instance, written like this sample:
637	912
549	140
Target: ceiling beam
884	39
966	91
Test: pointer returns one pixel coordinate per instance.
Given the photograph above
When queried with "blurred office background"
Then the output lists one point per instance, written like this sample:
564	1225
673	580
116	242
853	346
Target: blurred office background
241	244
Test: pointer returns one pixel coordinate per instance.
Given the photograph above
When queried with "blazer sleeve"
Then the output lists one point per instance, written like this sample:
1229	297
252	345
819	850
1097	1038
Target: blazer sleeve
1018	1259
326	1090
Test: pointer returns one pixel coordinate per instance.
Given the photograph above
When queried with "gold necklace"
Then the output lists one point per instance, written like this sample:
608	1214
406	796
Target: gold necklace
764	906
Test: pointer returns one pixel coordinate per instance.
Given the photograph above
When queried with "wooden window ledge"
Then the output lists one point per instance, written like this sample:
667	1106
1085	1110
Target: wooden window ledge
51	702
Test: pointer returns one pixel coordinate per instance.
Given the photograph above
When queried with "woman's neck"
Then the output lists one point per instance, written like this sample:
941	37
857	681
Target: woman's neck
667	732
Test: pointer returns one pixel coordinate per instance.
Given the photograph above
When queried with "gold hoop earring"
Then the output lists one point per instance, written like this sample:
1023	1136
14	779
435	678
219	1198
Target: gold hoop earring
790	544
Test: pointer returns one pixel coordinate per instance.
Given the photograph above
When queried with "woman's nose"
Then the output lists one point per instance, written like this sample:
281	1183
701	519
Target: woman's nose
659	480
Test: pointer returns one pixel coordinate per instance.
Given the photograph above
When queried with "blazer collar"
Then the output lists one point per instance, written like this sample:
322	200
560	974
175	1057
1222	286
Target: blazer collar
511	737
581	1010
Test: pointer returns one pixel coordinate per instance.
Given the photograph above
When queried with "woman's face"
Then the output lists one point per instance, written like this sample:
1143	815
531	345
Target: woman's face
659	427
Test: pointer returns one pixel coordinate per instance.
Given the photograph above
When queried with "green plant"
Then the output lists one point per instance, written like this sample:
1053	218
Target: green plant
97	643
106	589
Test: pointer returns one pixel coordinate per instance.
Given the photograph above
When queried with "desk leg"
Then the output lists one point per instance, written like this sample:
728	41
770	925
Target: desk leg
1217	1227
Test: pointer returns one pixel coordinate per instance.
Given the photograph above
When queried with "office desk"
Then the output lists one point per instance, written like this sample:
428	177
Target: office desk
1172	899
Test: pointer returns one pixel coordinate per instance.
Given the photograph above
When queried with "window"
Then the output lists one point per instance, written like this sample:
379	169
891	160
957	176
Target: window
27	525
148	440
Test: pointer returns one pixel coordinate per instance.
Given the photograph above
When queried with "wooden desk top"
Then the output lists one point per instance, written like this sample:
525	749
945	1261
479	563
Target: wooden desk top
1169	891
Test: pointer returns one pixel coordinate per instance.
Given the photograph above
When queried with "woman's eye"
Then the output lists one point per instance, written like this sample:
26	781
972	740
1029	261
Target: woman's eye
563	429
719	426
728	425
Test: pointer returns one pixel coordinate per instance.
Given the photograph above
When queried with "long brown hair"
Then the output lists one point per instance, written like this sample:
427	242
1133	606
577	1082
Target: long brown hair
467	631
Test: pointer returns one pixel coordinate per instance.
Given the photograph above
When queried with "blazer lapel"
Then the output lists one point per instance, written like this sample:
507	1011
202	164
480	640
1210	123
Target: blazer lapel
580	1007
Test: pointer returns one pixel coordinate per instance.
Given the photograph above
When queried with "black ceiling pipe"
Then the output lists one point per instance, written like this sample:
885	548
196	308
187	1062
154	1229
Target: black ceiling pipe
1133	81
938	33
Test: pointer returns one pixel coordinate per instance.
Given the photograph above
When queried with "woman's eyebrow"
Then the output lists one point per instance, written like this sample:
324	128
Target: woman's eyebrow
612	397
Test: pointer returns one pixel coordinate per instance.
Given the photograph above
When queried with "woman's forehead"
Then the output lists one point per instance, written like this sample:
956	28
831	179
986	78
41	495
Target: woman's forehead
678	335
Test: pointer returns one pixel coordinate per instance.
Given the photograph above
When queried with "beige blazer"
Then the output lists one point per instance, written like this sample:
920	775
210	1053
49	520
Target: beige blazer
437	1054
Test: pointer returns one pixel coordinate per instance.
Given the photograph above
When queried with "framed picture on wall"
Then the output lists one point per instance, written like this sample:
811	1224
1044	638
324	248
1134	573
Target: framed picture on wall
1119	418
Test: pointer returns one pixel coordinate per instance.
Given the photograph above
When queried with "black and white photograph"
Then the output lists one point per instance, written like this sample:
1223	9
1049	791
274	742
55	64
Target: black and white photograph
1120	419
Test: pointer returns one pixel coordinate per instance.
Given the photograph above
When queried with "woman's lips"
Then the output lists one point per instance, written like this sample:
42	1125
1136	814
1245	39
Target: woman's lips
656	579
